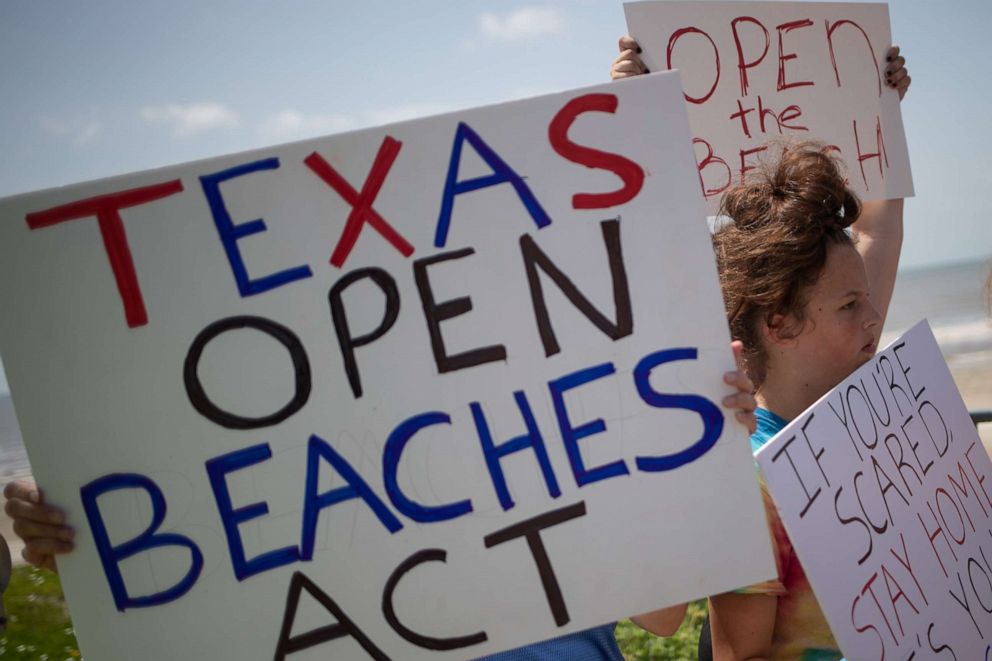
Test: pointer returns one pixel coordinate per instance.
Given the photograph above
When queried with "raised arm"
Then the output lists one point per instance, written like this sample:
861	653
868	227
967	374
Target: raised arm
879	229
879	240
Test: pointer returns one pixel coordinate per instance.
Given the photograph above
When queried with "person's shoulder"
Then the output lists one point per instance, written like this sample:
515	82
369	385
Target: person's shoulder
768	424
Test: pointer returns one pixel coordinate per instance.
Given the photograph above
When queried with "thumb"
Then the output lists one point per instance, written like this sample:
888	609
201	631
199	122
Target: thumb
738	348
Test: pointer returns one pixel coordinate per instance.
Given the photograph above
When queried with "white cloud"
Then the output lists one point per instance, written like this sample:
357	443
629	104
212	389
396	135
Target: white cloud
54	125
528	91
521	24
190	119
295	125
79	130
403	112
88	133
287	125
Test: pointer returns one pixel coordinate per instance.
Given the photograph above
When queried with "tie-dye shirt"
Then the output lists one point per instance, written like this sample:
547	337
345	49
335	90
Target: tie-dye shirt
801	630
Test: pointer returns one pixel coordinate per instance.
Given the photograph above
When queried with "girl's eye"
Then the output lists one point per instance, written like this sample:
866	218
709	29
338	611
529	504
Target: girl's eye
848	306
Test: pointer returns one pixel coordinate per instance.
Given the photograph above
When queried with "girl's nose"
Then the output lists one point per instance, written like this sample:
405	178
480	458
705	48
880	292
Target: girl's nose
874	317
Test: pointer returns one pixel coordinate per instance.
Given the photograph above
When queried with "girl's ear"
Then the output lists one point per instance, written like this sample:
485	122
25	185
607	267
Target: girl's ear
781	331
769	330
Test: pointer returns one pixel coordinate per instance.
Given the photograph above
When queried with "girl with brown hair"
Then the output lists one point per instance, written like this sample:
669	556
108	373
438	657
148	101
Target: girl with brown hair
807	274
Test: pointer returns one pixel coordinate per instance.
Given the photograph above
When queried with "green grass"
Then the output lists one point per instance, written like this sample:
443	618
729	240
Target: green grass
39	628
637	644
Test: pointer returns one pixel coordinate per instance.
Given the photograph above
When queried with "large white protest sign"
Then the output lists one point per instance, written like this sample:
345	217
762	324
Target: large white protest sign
881	486
760	71
430	390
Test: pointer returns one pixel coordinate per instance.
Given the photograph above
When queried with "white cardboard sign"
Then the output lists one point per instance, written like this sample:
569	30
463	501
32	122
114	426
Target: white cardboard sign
760	71
491	419
884	488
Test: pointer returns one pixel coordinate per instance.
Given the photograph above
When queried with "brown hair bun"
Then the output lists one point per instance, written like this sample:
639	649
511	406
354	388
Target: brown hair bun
802	185
784	219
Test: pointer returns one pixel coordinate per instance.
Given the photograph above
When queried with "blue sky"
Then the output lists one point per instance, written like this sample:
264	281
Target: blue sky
103	87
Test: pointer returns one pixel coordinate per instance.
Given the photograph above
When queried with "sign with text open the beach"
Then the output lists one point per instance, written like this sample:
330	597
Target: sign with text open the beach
431	390
881	486
760	71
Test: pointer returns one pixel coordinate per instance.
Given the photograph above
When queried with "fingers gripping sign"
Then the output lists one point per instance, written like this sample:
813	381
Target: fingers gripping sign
628	62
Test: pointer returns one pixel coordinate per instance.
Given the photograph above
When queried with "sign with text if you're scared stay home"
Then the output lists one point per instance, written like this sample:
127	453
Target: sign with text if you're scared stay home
756	72
885	490
431	390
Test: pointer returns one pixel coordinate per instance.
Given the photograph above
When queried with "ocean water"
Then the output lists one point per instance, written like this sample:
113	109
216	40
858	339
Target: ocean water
952	297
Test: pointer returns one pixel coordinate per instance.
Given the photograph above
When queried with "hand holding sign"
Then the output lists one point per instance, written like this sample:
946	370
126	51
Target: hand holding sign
628	62
896	75
39	524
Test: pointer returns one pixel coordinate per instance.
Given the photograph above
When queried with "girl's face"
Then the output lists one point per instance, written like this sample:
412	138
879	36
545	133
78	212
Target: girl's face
842	326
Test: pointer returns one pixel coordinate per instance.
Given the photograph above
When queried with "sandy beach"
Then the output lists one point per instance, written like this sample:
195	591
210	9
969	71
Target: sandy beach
973	375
